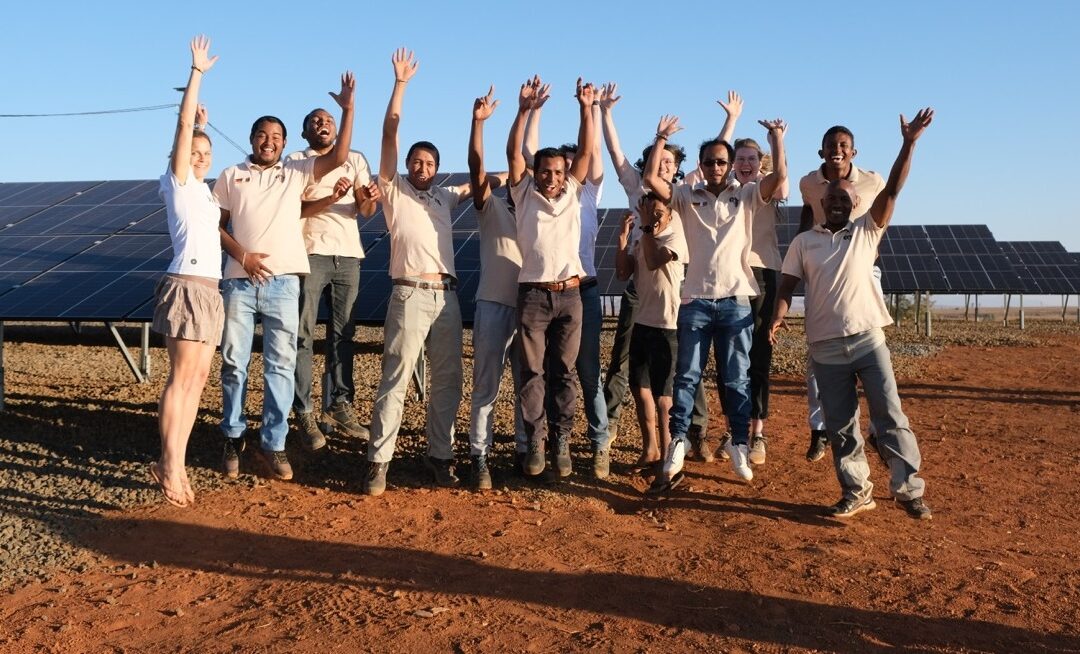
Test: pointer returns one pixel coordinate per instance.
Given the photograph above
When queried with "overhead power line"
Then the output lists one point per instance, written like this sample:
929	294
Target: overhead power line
92	113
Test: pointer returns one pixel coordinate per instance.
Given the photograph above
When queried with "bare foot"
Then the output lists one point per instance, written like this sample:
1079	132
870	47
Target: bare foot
188	493
647	459
169	492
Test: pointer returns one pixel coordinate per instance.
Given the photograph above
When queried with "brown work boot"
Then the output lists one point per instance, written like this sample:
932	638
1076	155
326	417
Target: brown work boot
311	437
443	469
230	464
341	416
278	463
702	446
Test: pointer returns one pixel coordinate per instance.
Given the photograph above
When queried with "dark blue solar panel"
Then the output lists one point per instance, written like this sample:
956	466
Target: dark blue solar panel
11	189
1044	266
104	192
45	194
39	253
155	223
78	296
123	253
101	220
10	280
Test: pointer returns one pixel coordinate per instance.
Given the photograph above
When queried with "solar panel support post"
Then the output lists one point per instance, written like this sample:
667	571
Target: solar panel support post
130	360
1	367
929	320
1064	306
1005	318
1021	298
144	354
976	308
419	375
918	309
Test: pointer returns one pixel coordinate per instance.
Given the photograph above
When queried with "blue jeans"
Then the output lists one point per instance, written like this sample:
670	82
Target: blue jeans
727	324
588	367
276	302
494	343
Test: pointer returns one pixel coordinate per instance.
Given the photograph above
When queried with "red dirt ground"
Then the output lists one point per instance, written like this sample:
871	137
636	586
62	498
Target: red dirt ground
718	566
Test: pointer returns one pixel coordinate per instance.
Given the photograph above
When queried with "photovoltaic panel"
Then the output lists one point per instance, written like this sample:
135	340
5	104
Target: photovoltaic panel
11	280
100	220
104	192
1044	266
972	260
42	194
77	296
123	253
40	253
155	223
11	189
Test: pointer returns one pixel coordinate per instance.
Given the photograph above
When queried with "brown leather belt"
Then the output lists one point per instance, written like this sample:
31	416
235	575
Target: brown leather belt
566	284
448	285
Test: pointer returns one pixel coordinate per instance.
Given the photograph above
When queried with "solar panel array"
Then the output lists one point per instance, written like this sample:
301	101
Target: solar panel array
94	250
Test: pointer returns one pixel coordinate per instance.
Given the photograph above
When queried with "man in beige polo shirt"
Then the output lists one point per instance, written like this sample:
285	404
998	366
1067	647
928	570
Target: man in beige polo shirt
261	232
844	317
424	303
332	241
548	202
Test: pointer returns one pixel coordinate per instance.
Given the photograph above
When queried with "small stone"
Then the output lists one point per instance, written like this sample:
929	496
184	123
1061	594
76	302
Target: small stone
178	612
422	613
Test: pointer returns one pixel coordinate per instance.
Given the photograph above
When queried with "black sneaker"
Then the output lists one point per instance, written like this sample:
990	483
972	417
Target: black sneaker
819	442
230	463
340	416
481	476
601	463
702	447
562	455
443	469
375	478
725	443
757	449
311	437
847	507
917	509
534	462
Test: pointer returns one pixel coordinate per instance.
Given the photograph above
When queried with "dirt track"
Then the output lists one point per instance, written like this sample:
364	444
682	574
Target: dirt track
312	566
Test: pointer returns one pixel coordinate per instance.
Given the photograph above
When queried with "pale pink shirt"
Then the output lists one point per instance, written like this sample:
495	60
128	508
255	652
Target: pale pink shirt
500	257
548	231
421	236
658	290
813	185
334	232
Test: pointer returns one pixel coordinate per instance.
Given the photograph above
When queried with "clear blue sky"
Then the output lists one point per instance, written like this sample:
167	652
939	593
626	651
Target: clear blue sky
1002	77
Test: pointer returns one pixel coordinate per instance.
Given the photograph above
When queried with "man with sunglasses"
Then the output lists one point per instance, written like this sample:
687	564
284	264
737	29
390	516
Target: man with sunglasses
716	215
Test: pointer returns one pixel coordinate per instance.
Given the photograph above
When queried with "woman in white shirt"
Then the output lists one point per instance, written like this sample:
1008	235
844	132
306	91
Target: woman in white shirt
189	311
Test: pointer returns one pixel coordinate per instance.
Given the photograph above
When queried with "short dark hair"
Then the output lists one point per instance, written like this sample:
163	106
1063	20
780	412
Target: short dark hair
652	195
676	151
548	153
268	119
199	134
309	115
838	129
705	145
568	148
423	145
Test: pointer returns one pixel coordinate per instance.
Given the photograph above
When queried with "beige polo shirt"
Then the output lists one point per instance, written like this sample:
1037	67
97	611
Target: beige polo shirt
548	231
841	297
264	204
334	232
630	179
764	247
421	236
658	290
867	185
717	230
500	258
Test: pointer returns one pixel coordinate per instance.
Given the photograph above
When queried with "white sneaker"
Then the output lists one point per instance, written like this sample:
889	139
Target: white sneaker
739	460
676	453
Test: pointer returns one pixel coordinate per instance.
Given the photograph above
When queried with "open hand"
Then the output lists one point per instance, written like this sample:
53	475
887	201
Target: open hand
913	130
200	53
733	106
608	97
344	98
773	126
405	63
485	106
256	271
668	126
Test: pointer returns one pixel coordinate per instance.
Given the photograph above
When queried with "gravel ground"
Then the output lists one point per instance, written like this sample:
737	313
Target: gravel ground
77	432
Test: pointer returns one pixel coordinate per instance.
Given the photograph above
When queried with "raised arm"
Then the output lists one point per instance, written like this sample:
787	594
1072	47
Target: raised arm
733	108
532	123
652	180
482	110
580	168
608	99
405	64
340	152
783	304
596	160
624	263
772	182
882	209
514	158
201	62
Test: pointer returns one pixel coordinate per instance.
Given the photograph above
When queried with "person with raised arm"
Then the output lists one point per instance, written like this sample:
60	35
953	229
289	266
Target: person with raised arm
548	202
716	216
261	230
592	318
495	319
423	303
844	318
189	311
617	378
332	242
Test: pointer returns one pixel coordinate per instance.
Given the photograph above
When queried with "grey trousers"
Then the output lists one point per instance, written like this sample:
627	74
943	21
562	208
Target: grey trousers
414	316
896	442
494	343
342	275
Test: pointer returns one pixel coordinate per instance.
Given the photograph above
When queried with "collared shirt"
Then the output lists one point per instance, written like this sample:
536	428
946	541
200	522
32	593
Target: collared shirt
590	225
193	217
421	235
630	179
717	231
658	290
264	204
813	185
841	298
764	247
334	231
548	231
500	258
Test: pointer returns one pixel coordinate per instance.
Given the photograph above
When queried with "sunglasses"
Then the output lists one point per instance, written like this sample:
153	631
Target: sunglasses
708	163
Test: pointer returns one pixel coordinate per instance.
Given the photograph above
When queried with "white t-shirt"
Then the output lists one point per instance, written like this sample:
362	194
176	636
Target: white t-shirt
590	225
193	216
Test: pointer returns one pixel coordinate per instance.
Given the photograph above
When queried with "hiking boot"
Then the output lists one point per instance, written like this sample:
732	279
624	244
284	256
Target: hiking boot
481	476
757	449
534	461
722	449
917	509
278	463
375	478
702	447
601	463
739	455
443	469
341	416
819	442
311	437
848	507
563	466
230	463
519	463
